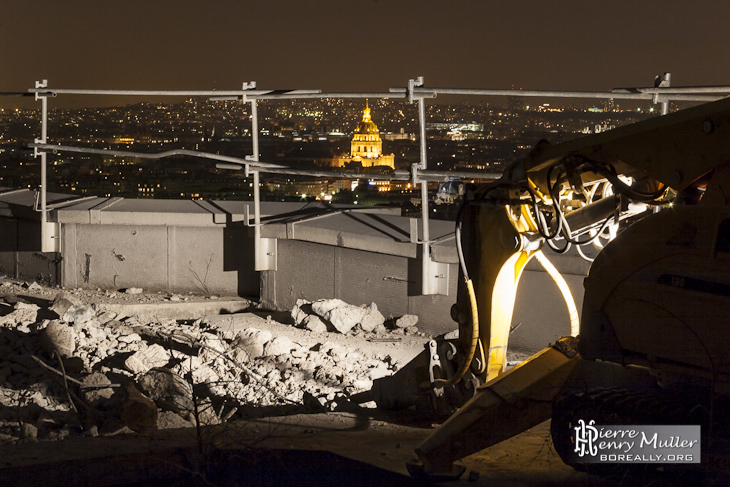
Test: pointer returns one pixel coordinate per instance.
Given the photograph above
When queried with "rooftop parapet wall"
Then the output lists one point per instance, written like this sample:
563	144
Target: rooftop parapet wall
357	254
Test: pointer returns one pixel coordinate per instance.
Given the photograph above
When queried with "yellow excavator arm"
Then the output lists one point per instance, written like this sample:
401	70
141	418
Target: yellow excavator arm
570	195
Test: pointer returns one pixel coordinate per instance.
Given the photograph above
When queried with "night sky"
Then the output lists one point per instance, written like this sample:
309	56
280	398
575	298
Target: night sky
370	45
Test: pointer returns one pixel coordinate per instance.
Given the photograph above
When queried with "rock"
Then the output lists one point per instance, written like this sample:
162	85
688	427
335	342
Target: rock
380	329
169	420
301	311
205	375
323	307
94	396
252	341
139	413
133	290
63	302
406	320
215	346
146	359
411	330
278	346
314	324
363	384
452	335
23	314
105	317
131	338
169	391
34	286
378	372
29	432
59	337
371	318
97	333
79	314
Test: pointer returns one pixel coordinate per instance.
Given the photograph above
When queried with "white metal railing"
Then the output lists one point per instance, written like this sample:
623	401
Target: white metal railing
435	275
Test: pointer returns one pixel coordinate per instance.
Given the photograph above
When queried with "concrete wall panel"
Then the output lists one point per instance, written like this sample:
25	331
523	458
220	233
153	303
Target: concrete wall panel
365	277
305	271
114	257
195	260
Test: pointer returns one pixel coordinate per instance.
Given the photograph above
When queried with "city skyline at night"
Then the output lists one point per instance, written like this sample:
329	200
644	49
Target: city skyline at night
363	46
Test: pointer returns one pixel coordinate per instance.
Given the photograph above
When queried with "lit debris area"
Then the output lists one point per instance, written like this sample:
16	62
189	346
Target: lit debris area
71	368
104	388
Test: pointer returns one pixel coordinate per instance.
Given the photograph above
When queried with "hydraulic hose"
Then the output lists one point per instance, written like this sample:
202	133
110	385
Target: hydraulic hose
439	383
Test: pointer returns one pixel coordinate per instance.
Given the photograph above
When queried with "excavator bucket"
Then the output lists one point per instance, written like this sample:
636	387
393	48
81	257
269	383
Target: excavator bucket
504	407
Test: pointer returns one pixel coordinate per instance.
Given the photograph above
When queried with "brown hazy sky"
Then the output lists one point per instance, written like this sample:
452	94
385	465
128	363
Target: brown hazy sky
370	45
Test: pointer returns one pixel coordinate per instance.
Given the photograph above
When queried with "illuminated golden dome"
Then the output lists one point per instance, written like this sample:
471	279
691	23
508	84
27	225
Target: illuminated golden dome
367	126
366	147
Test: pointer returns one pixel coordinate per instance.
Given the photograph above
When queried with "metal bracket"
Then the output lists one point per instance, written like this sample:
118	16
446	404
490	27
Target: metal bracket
412	84
36	150
413	230
265	249
436	277
414	174
40	84
663	81
250	158
251	85
265	253
49	236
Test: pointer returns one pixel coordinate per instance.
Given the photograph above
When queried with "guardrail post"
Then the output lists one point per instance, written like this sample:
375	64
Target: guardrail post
264	248
434	275
49	240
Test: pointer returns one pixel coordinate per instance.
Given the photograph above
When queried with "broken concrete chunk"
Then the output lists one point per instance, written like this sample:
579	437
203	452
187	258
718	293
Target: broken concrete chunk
133	290
300	312
346	317
59	337
406	320
380	329
252	341
79	314
169	391
170	420
146	359
452	335
93	393
314	324
278	346
378	372
139	413
131	338
371	318
29	432
23	314
205	375
323	307
63	302
105	317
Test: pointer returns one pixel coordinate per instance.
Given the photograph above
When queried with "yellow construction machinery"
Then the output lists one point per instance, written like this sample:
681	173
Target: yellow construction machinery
652	345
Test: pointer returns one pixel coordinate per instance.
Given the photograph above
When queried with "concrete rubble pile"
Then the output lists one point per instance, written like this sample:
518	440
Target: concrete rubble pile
338	316
70	369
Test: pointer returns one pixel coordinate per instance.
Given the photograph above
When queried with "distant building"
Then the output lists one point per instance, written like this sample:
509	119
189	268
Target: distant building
366	147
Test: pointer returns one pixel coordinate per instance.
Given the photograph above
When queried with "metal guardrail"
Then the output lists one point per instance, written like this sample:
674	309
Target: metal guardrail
435	275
